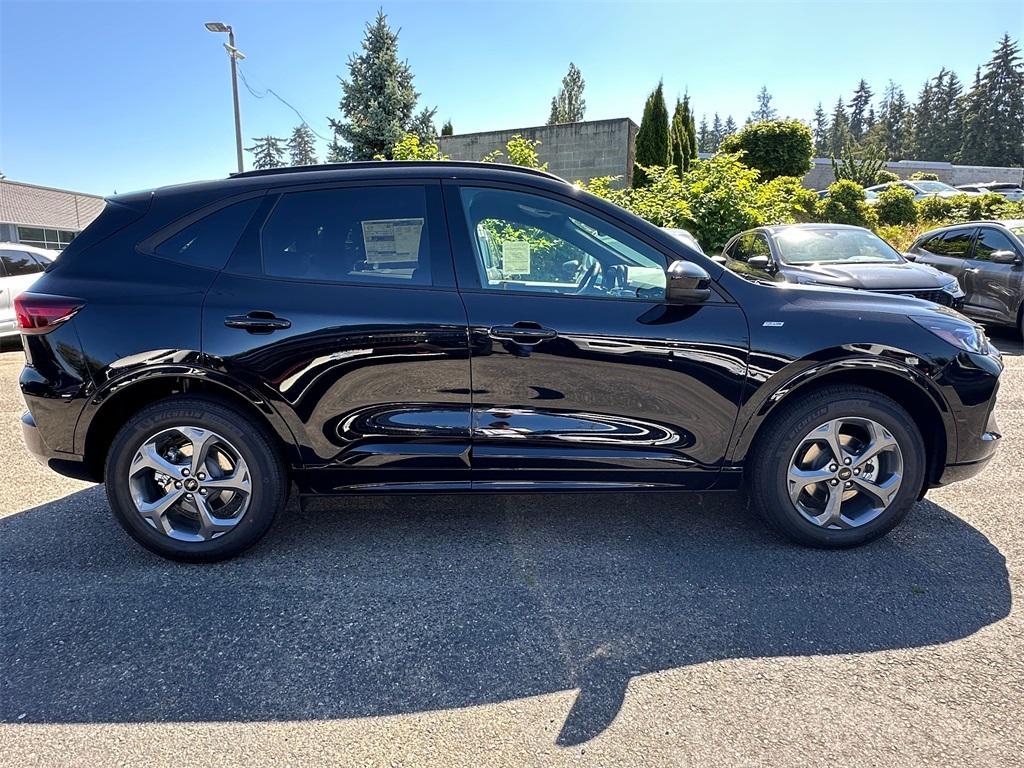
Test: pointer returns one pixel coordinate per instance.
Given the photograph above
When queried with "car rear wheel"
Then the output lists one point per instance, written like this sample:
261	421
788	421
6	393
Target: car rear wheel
194	480
838	468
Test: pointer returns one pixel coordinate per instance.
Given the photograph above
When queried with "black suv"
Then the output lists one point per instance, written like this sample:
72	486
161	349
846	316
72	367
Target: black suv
385	327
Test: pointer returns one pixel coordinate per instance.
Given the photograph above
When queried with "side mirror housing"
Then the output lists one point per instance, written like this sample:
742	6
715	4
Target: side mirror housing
720	259
910	256
1005	257
762	264
687	283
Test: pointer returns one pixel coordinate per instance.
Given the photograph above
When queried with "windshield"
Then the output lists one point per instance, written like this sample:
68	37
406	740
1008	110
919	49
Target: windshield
831	246
933	186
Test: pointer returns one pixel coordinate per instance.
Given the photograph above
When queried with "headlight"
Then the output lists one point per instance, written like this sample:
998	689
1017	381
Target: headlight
953	289
960	334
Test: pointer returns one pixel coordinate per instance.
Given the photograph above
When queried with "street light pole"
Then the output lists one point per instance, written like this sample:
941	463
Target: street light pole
234	54
234	96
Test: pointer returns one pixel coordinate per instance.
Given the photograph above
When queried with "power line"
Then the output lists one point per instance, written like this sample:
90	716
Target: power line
280	98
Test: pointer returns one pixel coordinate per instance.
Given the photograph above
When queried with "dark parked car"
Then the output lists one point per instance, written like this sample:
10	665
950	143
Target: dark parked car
987	257
388	327
837	255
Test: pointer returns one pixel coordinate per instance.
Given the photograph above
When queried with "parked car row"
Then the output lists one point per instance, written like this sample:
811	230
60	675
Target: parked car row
923	189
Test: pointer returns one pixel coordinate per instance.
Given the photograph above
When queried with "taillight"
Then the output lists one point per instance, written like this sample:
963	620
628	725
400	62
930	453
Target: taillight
40	312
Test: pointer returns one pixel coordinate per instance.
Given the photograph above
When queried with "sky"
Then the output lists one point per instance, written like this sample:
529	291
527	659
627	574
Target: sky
114	96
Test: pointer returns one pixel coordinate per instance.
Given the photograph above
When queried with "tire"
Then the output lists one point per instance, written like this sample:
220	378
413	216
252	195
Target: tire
255	471
793	433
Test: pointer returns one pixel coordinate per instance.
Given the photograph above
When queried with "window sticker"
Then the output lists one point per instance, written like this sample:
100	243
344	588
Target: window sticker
389	240
515	257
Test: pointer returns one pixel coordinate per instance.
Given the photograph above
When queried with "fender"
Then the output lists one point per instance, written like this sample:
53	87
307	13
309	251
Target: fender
177	364
800	373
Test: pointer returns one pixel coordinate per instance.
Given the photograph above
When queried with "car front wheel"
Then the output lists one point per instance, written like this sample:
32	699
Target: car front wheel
195	480
838	468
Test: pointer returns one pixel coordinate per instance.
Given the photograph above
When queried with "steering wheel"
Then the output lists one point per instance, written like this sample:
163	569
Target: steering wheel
589	278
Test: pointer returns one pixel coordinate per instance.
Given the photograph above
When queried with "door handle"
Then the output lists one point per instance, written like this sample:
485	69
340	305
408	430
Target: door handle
521	335
973	270
258	322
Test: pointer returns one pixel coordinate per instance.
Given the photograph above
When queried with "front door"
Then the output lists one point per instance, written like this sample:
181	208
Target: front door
340	310
992	286
582	375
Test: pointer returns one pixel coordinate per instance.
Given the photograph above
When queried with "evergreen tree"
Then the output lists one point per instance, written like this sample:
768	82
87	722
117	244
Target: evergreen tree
691	129
717	134
819	130
859	106
378	99
653	146
994	122
765	110
839	130
923	140
949	128
446	129
302	146
680	137
569	105
704	136
267	152
729	128
891	133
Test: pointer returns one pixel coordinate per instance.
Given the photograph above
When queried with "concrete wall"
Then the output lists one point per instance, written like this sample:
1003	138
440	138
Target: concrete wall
820	176
574	151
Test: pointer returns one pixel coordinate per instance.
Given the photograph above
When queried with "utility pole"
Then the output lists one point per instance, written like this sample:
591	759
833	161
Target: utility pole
235	55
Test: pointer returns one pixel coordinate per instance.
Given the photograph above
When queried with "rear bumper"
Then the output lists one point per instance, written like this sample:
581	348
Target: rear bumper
67	464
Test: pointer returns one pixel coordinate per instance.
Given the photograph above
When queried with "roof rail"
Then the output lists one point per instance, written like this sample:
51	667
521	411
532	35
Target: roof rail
399	163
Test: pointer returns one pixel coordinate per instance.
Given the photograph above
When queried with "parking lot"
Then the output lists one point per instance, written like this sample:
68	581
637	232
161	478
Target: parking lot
500	630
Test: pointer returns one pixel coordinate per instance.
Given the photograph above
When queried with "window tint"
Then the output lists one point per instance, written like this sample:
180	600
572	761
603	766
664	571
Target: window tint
990	241
954	244
208	243
51	239
362	235
19	263
527	242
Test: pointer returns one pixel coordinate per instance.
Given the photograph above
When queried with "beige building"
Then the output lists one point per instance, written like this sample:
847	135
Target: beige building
43	216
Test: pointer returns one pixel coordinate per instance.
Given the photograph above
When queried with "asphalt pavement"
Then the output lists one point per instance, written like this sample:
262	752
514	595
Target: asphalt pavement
613	629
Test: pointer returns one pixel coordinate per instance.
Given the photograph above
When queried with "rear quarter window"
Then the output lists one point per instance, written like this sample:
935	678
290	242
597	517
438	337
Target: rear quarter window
208	242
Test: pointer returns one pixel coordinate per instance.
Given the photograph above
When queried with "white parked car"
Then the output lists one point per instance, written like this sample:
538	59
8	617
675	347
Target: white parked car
921	189
1009	190
20	266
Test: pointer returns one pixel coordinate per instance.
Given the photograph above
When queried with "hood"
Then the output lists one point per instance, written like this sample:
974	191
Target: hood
870	277
841	300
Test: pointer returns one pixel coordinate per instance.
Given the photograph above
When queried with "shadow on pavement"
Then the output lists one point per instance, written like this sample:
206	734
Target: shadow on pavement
381	606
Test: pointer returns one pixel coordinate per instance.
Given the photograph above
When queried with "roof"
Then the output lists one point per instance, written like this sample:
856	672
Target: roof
774	229
46	253
32	205
375	169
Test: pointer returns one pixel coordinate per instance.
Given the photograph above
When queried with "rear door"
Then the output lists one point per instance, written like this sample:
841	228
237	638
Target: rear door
582	375
339	307
948	251
993	289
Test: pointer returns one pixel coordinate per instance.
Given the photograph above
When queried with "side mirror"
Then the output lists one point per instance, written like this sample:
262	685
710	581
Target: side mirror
910	256
687	283
720	259
1005	257
762	264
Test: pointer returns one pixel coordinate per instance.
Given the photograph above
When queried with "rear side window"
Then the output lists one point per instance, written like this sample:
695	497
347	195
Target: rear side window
350	235
208	243
18	263
953	244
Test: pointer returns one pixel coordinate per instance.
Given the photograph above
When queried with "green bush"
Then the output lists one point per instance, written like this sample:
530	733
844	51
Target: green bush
722	195
784	200
774	147
861	166
934	208
661	202
923	176
845	205
895	205
884	177
961	208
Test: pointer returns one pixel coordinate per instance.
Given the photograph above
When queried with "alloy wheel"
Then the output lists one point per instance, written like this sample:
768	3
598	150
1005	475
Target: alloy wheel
845	473
190	483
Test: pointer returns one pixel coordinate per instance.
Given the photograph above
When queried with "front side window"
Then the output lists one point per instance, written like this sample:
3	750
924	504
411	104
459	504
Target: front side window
360	235
526	242
990	241
18	263
209	242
